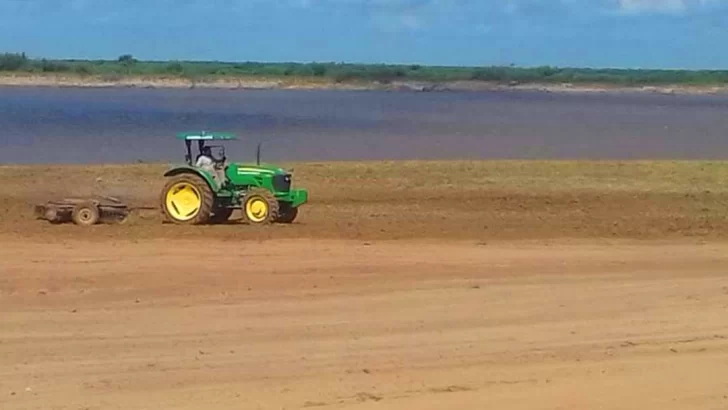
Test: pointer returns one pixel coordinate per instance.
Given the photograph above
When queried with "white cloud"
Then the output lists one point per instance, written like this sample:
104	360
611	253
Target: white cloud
662	6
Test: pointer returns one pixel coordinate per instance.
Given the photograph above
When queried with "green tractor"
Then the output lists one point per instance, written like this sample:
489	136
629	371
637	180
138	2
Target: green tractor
197	194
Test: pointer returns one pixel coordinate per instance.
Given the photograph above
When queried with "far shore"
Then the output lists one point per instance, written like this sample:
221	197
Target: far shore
302	83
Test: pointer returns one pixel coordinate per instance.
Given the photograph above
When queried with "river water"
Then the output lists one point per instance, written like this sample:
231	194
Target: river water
73	125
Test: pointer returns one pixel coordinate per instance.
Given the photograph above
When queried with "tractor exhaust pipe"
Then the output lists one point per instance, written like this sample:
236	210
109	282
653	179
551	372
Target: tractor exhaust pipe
257	154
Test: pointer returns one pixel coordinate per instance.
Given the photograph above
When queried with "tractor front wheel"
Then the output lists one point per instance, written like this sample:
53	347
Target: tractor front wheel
260	207
187	200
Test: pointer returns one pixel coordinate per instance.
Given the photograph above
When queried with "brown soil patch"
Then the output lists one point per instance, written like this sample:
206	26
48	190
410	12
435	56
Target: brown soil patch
461	285
478	201
338	324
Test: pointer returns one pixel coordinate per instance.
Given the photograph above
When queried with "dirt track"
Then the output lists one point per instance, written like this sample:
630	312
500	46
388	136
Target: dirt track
461	285
442	200
347	324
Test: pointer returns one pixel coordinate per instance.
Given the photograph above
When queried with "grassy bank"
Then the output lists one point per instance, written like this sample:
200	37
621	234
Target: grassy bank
481	200
126	67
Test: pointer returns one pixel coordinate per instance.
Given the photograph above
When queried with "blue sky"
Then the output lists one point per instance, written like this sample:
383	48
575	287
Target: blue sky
585	33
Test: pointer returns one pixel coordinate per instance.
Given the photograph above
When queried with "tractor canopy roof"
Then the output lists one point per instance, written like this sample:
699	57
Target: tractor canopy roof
204	135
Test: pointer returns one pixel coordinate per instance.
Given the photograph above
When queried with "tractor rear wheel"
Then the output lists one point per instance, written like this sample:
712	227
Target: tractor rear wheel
260	207
287	215
187	200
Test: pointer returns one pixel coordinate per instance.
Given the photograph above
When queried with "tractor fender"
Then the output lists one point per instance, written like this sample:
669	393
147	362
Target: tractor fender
191	170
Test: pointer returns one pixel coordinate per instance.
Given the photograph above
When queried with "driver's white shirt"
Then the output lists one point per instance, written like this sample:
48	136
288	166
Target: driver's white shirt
204	162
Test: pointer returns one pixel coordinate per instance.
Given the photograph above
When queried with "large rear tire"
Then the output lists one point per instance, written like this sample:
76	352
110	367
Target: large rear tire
187	200
260	207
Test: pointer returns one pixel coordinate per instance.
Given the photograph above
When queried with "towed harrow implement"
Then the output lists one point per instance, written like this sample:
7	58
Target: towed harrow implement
83	211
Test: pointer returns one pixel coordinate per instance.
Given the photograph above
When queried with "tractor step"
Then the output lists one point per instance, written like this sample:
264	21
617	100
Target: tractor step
83	211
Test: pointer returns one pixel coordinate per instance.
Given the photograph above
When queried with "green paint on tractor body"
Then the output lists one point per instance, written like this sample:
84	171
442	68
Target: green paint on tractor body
274	179
232	182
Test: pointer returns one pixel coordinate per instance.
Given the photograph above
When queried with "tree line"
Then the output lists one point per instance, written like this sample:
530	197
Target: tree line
127	64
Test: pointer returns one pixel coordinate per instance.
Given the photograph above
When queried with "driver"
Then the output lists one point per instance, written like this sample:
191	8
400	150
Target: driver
207	162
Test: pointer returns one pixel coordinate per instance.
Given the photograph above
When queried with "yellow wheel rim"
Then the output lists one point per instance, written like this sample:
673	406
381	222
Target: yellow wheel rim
183	201
256	209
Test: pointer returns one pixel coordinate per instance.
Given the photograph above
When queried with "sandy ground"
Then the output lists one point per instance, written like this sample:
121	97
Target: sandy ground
479	201
402	286
174	324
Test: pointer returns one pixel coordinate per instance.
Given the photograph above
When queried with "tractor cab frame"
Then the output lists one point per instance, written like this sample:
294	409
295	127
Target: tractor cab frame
202	138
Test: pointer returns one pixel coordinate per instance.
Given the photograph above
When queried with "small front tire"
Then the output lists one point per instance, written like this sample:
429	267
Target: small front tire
260	207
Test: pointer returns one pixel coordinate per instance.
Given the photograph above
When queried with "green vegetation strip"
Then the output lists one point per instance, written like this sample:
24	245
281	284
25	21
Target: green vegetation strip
127	65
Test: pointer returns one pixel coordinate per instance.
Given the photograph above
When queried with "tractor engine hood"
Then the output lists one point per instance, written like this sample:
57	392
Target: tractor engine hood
255	169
